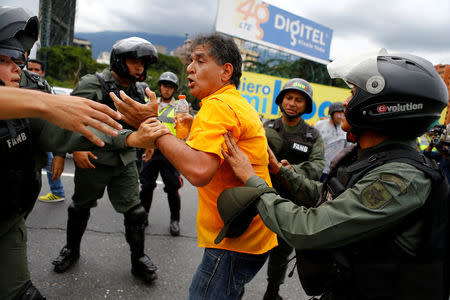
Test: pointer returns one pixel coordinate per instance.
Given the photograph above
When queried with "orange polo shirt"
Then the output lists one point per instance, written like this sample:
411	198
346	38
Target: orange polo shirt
226	110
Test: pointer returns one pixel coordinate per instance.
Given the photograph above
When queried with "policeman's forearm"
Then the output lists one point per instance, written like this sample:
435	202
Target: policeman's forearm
305	191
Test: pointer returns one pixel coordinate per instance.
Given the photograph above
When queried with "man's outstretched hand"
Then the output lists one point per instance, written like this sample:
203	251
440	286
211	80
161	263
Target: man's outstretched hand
133	112
76	114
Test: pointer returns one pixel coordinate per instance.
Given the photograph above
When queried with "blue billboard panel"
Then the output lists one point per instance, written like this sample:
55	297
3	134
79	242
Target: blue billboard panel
259	22
296	33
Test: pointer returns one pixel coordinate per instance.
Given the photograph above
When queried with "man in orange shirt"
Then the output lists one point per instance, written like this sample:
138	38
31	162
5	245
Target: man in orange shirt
214	74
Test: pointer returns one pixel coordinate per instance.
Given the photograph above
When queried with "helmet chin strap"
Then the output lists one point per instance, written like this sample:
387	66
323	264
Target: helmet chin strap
352	136
166	98
288	116
134	79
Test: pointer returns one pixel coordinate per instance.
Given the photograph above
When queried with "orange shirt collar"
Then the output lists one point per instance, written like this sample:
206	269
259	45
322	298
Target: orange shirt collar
219	91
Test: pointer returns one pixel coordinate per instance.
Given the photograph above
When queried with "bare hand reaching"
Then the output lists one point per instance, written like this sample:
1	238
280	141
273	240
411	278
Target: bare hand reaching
133	112
69	112
148	154
147	134
237	159
185	119
286	164
82	160
274	164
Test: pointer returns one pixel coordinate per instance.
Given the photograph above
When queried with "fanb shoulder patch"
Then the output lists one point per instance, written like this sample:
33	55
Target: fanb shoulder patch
375	195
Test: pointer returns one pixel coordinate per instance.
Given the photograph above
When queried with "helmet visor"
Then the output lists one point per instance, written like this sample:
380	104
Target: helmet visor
359	70
16	55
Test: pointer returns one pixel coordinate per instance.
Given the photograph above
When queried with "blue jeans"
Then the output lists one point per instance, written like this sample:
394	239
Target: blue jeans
56	186
222	274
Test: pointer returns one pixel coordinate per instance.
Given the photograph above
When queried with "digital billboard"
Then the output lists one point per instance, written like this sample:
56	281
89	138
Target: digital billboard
261	23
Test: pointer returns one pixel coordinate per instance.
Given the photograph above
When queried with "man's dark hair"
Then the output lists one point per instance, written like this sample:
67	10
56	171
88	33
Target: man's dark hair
223	50
37	61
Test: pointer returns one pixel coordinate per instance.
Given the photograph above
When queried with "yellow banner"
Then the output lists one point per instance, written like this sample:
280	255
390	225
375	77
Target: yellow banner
261	91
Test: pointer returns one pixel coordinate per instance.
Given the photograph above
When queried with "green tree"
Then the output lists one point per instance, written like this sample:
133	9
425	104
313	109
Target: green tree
65	65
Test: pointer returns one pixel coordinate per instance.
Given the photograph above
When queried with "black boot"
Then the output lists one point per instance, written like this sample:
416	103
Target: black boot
144	268
76	225
29	292
146	196
272	292
174	204
141	265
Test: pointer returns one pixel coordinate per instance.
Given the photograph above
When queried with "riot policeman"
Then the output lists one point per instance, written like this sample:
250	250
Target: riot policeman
380	228
18	167
300	145
20	140
114	170
158	164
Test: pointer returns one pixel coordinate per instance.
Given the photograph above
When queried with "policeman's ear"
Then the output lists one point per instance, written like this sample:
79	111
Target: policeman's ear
227	71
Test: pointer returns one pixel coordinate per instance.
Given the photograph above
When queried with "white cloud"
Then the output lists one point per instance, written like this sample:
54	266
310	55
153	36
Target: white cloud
416	26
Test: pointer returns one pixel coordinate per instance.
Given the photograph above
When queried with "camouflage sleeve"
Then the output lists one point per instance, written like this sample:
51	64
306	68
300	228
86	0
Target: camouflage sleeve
377	202
88	87
304	191
48	87
313	167
52	138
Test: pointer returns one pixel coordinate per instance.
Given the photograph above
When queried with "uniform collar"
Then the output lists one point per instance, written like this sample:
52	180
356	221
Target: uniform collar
289	128
372	150
108	76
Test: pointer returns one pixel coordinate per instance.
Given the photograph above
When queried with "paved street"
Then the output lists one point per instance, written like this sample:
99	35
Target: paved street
103	271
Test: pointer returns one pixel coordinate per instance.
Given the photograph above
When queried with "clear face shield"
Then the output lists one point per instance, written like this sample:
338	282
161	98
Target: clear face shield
360	70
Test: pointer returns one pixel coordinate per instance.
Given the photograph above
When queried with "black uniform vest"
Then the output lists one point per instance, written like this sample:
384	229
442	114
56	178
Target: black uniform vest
111	86
19	183
297	146
36	82
377	268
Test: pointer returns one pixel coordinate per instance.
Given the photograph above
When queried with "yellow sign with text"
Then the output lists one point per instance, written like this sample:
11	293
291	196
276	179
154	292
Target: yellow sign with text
261	91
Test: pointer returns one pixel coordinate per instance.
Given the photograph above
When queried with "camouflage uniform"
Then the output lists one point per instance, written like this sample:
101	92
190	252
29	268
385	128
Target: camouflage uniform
376	204
303	148
114	169
13	234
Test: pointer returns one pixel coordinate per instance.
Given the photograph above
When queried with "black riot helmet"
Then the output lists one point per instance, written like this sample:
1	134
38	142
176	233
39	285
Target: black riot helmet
396	95
18	32
170	78
133	47
335	107
301	85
